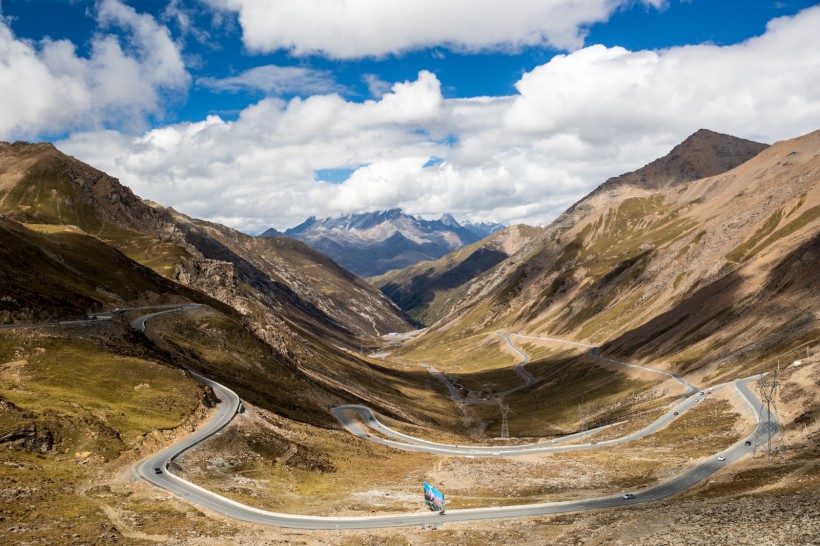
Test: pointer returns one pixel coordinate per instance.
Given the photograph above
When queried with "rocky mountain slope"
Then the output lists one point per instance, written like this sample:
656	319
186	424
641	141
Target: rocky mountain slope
280	317
704	274
372	243
40	185
705	153
426	290
54	273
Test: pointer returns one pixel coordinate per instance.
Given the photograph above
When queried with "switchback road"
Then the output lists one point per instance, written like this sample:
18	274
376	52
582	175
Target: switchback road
157	469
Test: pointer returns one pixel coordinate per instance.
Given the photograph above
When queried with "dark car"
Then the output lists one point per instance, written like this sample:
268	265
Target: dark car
747	443
157	471
675	413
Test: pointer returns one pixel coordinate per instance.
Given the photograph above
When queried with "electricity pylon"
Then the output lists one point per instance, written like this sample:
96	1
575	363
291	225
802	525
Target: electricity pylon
769	435
505	429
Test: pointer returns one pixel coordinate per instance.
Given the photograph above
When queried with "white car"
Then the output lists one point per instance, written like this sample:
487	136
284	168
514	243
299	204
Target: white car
629	496
721	458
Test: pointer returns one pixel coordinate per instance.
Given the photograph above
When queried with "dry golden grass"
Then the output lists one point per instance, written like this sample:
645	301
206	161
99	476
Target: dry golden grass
97	406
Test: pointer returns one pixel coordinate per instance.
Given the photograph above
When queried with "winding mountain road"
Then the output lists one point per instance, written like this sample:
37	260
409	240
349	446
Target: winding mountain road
474	397
157	468
410	443
595	352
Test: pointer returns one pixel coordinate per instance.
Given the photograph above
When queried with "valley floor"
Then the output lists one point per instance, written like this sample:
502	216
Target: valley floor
271	462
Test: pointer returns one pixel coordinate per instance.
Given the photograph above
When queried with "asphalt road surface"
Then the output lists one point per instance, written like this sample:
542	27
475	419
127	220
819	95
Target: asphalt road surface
179	486
596	352
529	379
158	470
139	323
409	443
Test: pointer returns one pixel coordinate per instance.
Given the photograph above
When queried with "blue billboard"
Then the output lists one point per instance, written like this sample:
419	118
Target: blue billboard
433	498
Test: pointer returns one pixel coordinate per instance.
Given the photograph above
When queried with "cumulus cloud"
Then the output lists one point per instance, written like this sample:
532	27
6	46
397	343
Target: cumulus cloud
361	28
574	121
47	86
276	80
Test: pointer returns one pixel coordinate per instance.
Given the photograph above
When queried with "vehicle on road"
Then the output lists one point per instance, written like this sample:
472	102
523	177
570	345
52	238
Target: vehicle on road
157	471
629	496
676	413
701	393
721	458
747	443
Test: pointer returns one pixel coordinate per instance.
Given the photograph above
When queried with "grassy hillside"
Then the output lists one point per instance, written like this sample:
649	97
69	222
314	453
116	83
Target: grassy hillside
61	272
38	184
76	403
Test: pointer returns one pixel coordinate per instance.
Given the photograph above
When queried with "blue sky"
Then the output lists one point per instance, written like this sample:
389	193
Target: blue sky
258	113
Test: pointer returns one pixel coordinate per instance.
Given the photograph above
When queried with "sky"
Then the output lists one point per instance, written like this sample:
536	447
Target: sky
261	113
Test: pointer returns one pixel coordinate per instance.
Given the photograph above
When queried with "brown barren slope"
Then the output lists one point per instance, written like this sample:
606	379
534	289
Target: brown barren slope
703	275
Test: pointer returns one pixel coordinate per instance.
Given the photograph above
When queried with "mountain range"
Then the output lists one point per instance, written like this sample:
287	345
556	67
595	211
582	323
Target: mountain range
704	263
703	256
76	241
430	290
371	243
40	185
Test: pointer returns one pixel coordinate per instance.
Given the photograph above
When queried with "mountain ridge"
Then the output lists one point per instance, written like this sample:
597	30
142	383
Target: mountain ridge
40	184
669	271
704	151
423	290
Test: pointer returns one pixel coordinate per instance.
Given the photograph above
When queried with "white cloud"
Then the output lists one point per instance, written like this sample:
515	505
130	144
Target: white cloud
276	80
47	87
575	121
360	28
182	15
376	86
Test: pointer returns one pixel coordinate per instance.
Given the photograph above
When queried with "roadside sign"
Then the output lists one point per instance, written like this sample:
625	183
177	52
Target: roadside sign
433	498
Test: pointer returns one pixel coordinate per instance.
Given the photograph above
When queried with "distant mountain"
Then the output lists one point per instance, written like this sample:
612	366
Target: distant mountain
270	232
375	242
483	229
